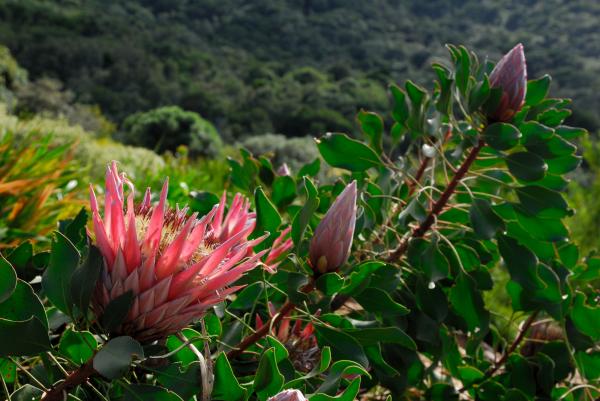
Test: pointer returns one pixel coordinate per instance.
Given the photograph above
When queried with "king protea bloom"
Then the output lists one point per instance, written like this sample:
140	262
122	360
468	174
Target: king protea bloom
176	266
289	395
510	74
332	240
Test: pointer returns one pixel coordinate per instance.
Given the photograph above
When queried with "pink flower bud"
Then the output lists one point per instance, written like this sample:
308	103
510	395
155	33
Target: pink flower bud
289	395
331	243
510	74
284	169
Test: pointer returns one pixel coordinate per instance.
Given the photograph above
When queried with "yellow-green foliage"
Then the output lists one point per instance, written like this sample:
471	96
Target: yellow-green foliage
38	186
583	197
92	154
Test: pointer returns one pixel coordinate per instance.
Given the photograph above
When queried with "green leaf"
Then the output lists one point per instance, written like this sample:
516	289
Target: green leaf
268	380
520	261
341	151
114	358
484	220
20	338
302	218
371	125
361	276
343	345
537	90
56	281
349	394
400	111
8	279
526	166
377	300
383	335
183	380
570	133
310	169
27	392
501	136
585	317
281	352
246	298
226	386
8	370
434	263
339	369
202	201
116	311
463	68
78	346
469	375
589	364
23	304
564	164
146	392
329	283
74	229
467	303
267	216
83	281
284	190
185	355
542	202
432	301
444	84
442	392
479	94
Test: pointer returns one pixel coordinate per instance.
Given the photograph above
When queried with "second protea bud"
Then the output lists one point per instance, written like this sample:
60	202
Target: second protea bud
510	75
289	395
331	243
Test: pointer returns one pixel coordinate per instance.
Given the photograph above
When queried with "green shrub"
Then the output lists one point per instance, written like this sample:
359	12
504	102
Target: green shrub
294	151
92	154
166	128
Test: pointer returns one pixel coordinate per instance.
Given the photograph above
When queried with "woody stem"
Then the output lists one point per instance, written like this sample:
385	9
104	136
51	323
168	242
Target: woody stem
439	205
76	378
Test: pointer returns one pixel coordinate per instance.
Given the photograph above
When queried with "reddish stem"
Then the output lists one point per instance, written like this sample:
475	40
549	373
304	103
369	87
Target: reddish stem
260	333
439	205
76	378
490	372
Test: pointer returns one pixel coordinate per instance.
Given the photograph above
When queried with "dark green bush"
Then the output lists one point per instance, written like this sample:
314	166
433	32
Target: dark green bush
166	128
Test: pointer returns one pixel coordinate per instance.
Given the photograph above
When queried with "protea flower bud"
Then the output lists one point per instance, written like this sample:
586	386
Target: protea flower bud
284	169
332	240
289	395
176	267
510	74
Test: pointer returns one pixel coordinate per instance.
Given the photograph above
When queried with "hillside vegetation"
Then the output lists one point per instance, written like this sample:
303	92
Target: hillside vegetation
288	67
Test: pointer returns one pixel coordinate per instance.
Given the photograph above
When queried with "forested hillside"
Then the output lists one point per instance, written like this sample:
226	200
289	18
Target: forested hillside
293	67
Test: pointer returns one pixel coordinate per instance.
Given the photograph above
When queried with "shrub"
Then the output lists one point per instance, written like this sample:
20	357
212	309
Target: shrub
38	186
166	128
294	151
92	154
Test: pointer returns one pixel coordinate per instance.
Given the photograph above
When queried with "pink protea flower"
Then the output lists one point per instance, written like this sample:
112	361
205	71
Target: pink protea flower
289	395
510	74
332	240
176	266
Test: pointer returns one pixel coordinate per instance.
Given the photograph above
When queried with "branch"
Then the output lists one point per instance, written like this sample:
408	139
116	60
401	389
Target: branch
79	376
439	205
260	333
513	346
